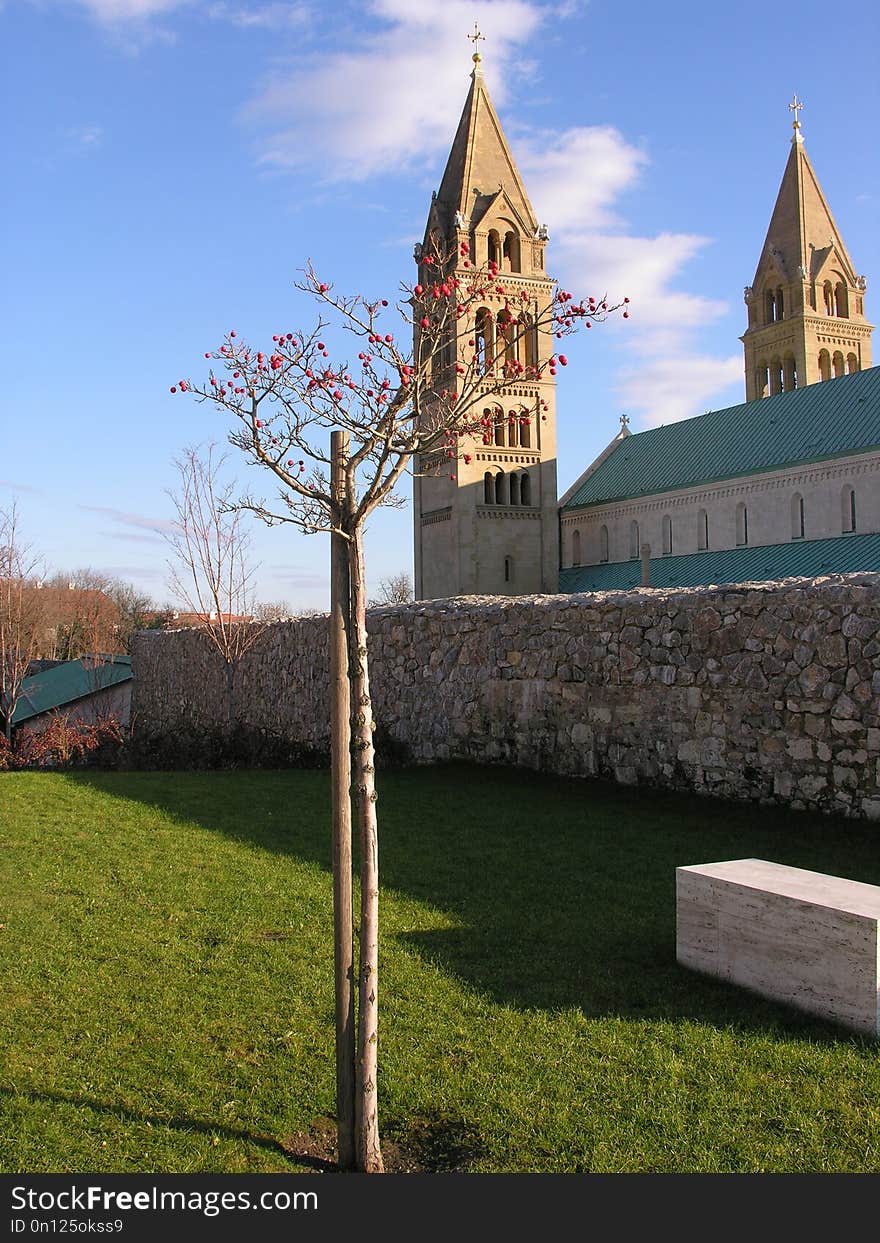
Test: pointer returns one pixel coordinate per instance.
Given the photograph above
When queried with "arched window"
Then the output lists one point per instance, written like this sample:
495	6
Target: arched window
789	373
576	548
780	304
509	339
511	252
667	534
603	543
500	488
525	430
488	488
493	252
512	429
824	365
633	538
484	340
769	306
828	297
525	488
742	524
529	345
852	364
499	426
702	530
841	301
513	480
838	364
848	508
797	516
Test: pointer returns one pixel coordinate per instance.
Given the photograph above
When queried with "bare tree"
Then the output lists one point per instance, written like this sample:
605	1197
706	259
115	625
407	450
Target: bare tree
394	405
276	610
396	589
21	613
211	571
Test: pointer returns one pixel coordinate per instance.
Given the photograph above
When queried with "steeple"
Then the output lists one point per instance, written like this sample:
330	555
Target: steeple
804	278
481	168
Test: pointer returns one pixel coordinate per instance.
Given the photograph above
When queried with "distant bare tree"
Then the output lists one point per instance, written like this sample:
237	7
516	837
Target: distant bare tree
211	573
21	614
275	610
396	589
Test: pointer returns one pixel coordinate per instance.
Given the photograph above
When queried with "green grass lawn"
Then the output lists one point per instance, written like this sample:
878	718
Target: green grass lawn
168	999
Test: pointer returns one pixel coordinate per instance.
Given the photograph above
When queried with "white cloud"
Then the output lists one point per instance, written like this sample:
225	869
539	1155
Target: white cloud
575	182
131	520
84	137
272	16
574	178
668	389
113	12
397	98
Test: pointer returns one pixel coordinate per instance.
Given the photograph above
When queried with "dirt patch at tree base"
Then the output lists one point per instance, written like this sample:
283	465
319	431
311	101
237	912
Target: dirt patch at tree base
437	1145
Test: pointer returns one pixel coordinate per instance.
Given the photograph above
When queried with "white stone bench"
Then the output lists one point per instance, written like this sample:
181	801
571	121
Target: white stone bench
799	937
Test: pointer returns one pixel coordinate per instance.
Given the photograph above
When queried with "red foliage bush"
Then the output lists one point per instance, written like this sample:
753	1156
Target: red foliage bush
64	742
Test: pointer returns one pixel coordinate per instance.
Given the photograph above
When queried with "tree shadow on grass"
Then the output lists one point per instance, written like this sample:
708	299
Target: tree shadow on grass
187	1125
560	892
432	1143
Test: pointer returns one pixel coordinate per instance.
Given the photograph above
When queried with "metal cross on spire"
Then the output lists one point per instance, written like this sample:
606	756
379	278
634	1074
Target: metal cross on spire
795	107
475	38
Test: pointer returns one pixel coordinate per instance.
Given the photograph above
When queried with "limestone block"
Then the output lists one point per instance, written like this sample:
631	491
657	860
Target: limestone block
799	937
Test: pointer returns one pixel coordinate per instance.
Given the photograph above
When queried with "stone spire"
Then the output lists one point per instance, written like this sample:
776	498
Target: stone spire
802	232
480	164
804	276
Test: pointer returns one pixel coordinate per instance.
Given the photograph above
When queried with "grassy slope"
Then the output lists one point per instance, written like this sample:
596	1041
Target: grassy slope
168	978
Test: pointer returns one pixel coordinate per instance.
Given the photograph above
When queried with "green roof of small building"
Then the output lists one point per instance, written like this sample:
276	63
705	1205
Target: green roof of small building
832	419
842	554
66	683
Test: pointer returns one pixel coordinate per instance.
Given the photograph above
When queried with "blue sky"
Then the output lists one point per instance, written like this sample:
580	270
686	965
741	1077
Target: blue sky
171	165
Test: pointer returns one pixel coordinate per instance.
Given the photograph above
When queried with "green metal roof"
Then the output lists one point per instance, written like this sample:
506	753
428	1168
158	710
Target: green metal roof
65	683
842	554
831	419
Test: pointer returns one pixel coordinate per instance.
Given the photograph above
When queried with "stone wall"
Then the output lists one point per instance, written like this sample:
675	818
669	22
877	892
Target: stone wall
762	691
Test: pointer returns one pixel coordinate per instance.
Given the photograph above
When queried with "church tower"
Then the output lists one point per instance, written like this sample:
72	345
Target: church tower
493	528
806	302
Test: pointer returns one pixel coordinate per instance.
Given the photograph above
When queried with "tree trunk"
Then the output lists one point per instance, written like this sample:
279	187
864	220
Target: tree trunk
340	794
369	1154
230	697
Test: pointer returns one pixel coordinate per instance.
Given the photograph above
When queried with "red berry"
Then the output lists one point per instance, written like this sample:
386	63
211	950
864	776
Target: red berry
388	337
563	360
626	314
174	389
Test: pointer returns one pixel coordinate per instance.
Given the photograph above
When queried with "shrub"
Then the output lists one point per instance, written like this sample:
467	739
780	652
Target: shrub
65	742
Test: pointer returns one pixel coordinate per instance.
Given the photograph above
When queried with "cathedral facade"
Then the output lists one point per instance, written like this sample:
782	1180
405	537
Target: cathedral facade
786	484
